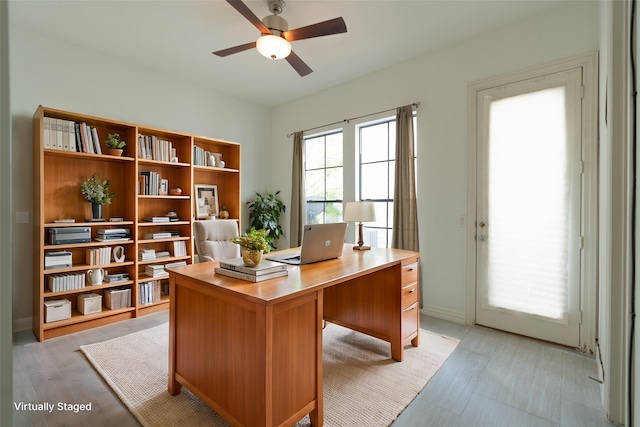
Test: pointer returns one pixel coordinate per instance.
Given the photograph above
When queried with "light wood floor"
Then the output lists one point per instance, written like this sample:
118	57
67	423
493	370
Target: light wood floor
492	379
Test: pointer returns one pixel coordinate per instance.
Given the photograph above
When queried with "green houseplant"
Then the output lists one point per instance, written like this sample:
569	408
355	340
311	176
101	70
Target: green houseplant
97	191
264	213
253	244
115	144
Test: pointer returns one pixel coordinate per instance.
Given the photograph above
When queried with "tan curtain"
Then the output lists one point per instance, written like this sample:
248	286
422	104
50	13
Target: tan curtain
298	205
405	210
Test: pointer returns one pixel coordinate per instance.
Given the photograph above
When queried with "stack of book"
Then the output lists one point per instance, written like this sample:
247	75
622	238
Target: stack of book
155	270
157	219
147	254
266	270
113	234
158	235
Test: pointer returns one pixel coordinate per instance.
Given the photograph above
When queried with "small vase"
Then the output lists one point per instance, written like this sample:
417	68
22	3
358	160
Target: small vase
218	162
115	151
251	257
96	209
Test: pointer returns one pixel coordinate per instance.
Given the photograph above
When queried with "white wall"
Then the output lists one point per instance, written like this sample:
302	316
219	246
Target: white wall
6	353
439	81
62	76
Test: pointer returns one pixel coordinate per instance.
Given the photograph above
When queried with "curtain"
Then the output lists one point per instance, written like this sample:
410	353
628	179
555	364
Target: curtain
405	209
298	205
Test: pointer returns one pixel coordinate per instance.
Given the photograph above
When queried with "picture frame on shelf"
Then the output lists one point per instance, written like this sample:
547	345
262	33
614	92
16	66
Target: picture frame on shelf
164	187
205	201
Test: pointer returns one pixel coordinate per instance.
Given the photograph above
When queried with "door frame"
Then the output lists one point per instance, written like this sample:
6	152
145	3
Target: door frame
589	204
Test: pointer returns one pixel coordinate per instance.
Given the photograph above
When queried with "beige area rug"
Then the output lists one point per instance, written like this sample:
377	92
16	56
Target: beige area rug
362	385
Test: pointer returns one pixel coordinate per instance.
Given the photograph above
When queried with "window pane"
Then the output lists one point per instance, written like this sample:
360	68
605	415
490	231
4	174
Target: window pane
314	212
334	150
324	178
374	181
382	211
333	212
314	152
374	143
334	184
314	184
392	140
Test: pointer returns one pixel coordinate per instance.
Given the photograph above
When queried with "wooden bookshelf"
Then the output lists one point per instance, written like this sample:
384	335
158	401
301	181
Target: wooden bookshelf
58	173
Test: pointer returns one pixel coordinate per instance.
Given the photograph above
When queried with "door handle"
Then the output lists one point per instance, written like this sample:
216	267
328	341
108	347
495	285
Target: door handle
481	224
481	238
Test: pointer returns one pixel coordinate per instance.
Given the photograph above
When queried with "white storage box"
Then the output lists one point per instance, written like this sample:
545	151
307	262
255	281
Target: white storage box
58	309
89	303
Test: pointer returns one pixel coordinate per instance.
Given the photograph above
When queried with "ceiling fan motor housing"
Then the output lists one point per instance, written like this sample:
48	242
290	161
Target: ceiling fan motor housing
276	24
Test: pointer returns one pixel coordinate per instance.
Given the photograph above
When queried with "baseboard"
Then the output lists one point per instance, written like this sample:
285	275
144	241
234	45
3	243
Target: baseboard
23	324
445	314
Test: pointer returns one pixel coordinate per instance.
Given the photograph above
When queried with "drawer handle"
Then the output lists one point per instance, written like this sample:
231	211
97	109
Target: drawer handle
410	269
411	308
412	290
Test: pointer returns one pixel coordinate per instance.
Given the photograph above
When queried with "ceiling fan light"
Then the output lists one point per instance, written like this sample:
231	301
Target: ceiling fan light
273	47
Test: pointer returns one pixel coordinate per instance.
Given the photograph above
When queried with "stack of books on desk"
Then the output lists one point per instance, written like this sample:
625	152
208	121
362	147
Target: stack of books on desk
266	270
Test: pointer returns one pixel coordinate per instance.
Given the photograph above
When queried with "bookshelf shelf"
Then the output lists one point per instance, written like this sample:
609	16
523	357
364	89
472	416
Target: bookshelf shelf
77	317
68	148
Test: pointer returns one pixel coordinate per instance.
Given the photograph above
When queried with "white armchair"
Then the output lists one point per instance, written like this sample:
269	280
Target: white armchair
212	239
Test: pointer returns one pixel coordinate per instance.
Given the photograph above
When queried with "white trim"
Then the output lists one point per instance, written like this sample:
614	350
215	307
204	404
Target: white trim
589	276
443	313
616	261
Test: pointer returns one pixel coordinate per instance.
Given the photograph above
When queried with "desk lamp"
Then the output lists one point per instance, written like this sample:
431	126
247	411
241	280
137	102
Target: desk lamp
360	212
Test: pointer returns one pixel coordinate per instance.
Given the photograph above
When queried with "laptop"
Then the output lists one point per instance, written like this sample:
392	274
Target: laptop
320	242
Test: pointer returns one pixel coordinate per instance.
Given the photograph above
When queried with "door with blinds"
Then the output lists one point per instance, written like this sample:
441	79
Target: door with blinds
528	214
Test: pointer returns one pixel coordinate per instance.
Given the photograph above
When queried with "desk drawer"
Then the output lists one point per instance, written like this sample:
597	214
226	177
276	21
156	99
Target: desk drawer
409	295
409	320
409	274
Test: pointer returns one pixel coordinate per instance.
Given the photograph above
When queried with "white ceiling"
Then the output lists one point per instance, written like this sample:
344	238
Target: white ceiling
177	37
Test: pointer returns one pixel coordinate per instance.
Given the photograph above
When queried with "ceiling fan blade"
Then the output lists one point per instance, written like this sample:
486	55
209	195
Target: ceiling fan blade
325	28
249	15
235	49
298	64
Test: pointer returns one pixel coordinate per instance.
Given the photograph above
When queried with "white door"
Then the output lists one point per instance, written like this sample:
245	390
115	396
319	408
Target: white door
528	224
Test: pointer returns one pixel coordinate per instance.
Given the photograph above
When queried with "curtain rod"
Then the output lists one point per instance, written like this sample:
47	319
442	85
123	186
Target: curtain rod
414	105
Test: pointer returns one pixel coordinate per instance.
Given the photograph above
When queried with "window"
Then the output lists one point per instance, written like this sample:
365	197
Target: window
323	177
376	173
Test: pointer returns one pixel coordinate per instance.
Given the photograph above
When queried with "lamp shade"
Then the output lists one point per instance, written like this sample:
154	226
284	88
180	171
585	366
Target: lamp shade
273	47
359	212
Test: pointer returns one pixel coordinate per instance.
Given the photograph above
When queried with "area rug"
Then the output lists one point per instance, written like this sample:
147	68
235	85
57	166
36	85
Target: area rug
362	385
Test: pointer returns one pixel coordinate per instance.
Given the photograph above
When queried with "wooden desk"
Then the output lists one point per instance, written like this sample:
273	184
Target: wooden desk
253	351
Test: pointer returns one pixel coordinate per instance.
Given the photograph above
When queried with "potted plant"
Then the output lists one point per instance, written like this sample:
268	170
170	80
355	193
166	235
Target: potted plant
97	191
264	213
253	244
115	144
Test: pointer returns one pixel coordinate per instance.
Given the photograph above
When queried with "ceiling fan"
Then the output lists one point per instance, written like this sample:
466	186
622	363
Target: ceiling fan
274	42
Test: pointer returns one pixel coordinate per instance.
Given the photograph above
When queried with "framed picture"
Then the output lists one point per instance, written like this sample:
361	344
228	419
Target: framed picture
206	200
164	187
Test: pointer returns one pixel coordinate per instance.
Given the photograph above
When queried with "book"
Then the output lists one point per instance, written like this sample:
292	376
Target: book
47	132
96	140
265	266
70	134
105	231
250	277
157	235
156	219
